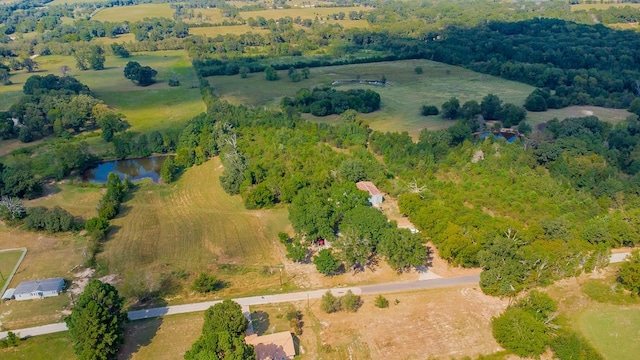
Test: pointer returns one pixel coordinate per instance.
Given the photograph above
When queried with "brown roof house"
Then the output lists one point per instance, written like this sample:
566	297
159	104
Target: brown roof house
375	196
278	346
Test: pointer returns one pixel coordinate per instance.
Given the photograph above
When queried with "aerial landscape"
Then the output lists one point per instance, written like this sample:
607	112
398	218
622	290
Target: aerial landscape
331	179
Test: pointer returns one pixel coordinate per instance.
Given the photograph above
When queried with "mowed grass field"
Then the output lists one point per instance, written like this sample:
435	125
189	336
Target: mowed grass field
134	12
613	116
193	225
8	261
214	31
614	330
155	107
402	98
607	317
45	347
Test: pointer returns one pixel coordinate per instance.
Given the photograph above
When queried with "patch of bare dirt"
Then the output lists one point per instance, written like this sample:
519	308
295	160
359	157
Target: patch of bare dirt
80	281
443	323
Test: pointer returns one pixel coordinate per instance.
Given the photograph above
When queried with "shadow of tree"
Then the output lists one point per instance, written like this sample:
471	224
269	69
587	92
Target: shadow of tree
260	322
138	334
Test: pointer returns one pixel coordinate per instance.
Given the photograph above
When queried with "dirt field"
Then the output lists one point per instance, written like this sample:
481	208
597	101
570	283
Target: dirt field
442	323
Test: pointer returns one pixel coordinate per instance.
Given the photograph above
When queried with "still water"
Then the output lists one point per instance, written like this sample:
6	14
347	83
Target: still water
135	169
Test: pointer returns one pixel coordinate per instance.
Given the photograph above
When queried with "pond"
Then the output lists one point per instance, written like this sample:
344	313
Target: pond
135	169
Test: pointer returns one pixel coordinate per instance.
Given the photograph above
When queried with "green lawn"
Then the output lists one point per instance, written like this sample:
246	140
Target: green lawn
154	107
134	12
613	330
402	98
8	260
45	347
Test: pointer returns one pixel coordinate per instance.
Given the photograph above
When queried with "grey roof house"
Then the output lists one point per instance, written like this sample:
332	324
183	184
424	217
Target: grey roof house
38	289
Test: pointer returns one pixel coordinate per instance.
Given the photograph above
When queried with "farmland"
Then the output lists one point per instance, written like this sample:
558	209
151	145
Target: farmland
134	13
194	226
158	106
405	92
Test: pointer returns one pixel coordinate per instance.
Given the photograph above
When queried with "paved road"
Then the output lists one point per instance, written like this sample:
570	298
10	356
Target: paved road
279	298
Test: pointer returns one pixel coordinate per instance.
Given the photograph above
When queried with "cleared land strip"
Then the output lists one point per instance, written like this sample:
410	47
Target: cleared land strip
280	298
267	299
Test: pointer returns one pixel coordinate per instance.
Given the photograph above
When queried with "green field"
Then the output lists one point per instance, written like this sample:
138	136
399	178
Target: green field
155	107
45	347
8	261
608	327
134	12
193	225
214	31
402	98
613	116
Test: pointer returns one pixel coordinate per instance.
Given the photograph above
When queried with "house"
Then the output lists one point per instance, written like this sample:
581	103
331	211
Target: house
277	346
375	196
38	289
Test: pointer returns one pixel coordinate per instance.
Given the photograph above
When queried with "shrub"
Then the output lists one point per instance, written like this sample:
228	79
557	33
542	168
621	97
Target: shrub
382	302
629	273
429	110
326	263
97	227
206	284
350	302
418	70
330	303
53	220
569	346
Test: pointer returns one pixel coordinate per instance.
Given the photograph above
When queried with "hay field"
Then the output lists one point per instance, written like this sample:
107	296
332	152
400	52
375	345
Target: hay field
193	225
134	12
154	107
402	98
211	16
214	31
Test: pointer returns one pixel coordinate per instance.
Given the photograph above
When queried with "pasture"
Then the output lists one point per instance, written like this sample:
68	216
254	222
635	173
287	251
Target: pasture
193	226
214	31
134	12
155	107
402	98
613	116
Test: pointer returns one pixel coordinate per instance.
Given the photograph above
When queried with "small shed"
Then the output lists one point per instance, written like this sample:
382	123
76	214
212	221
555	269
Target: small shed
277	346
375	196
38	289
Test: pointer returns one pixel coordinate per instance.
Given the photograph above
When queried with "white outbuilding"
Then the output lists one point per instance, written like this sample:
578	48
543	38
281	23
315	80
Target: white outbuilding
38	289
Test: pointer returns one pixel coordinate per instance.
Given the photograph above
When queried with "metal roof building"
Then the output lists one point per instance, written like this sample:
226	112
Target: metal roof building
38	289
